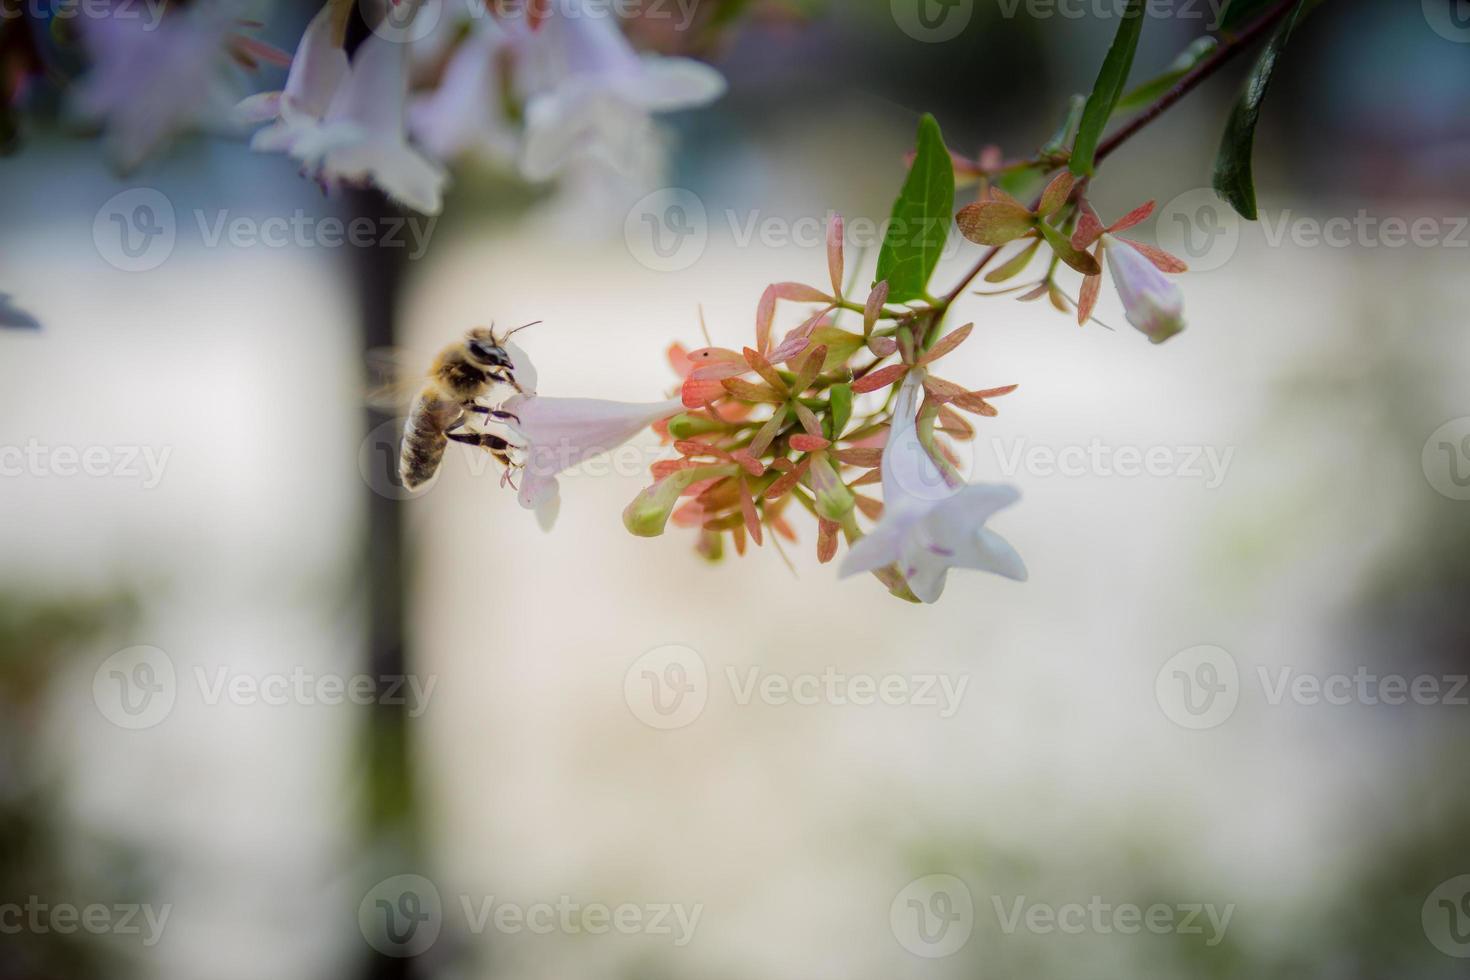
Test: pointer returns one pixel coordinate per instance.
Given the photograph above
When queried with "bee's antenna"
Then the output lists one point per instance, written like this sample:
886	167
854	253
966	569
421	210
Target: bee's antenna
517	330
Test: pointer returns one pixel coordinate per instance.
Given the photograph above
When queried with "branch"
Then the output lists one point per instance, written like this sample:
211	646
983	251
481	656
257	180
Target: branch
1228	50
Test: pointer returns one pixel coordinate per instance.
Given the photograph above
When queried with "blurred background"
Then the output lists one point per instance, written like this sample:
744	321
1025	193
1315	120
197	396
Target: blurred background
264	717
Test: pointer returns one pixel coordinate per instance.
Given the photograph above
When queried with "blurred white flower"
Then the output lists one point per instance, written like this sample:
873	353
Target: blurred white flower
346	123
588	92
151	81
1152	302
930	525
317	71
466	114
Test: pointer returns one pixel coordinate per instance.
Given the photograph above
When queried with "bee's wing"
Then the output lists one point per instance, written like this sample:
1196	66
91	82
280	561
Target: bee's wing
394	376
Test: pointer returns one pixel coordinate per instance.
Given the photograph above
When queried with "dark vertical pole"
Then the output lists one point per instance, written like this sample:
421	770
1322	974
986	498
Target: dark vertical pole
391	825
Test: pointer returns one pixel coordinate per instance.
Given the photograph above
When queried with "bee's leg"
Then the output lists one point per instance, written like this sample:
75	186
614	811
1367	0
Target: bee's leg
506	378
497	446
496	414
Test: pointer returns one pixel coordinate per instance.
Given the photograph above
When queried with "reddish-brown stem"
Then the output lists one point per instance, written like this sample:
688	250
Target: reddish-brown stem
1231	47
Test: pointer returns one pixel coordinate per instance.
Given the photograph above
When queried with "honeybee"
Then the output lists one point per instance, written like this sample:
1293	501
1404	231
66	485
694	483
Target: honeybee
462	375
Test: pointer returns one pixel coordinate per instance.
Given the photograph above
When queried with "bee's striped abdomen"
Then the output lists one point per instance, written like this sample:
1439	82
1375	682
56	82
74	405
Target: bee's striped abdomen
424	439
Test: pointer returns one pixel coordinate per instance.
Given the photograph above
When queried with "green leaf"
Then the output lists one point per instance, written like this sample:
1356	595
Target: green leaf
1234	179
919	225
1108	89
1183	65
839	398
1063	135
1067	252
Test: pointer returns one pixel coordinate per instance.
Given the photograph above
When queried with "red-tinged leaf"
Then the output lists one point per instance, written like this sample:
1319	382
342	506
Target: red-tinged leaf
834	253
974	403
994	222
767	433
720	495
782	465
861	458
765	315
1034	294
663	468
942	391
997	392
877	299
776	520
872	509
790	348
1015	265
748	462
811	366
1056	194
870	477
840	345
695	489
695	448
883	346
784	485
807	443
947	343
1087	298
1062	246
798	292
955	424
1058	299
679	359
688	514
737	534
763	367
697	392
808	419
1089	228
994	193
1160	258
881	378
747	510
991	157
751	392
705	356
827	540
1135	217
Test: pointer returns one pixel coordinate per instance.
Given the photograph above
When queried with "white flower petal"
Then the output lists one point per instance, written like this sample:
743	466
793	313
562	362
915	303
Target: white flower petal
1152	302
464	114
882	547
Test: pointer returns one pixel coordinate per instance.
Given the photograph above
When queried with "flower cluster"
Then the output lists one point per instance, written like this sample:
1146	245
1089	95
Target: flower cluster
814	422
535	94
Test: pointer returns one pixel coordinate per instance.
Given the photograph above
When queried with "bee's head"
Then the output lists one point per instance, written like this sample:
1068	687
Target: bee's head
485	351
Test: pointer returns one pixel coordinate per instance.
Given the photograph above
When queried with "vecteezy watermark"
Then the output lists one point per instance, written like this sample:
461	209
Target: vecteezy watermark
1100	917
138	230
933	916
1206	12
1446	917
670	229
1450	19
403	916
149	11
1200	687
137	688
1208	465
668	687
1205	232
1446	459
142	464
39	917
932	21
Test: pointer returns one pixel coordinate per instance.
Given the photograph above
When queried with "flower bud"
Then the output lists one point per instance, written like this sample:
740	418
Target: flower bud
649	512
